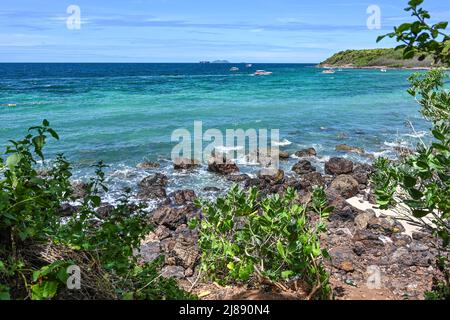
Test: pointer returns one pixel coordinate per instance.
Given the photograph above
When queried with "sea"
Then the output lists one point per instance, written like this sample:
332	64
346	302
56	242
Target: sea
124	114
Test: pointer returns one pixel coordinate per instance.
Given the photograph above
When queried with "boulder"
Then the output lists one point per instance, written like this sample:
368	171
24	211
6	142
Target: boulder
362	220
105	210
211	189
310	152
79	190
350	149
342	258
185	164
272	178
148	165
284	155
303	167
345	185
171	217
153	187
224	167
181	197
361	173
67	210
310	180
150	251
337	166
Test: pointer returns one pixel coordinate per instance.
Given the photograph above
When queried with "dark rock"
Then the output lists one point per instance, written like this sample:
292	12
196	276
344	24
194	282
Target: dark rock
272	177
335	200
79	190
150	251
303	167
105	210
67	210
173	217
342	258
310	180
148	165
361	173
359	249
362	220
162	232
381	226
185	164
181	197
186	254
238	178
401	240
310	152
337	166
223	167
284	155
345	185
347	148
345	214
211	189
153	187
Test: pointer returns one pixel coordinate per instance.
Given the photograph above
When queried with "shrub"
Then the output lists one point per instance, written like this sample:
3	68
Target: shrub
270	240
422	180
36	247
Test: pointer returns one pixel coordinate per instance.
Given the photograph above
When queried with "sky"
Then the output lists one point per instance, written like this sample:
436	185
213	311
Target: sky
277	31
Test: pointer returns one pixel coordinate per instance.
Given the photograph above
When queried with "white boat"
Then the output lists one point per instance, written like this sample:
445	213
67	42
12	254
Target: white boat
328	71
262	73
234	69
248	65
383	70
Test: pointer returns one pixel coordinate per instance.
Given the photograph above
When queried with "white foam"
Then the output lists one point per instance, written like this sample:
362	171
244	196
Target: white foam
283	143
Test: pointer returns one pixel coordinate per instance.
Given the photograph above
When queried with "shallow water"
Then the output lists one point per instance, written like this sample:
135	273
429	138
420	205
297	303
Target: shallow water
125	113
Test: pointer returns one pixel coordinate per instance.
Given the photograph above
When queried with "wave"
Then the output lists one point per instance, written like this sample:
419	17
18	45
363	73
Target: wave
283	143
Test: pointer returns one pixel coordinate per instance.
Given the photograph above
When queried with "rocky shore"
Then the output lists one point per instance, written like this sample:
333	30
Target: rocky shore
372	254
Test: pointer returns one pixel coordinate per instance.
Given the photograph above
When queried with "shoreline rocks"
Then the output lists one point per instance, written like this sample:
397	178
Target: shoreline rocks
338	166
153	187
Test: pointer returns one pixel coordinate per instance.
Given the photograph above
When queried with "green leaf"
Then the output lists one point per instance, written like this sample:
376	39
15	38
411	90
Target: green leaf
280	249
45	123
13	160
287	274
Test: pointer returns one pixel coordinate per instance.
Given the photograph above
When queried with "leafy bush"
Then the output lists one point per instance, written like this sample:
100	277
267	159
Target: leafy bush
36	247
270	240
422	180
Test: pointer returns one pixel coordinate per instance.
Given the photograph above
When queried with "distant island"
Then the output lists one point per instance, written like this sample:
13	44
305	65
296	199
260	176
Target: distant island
216	61
374	58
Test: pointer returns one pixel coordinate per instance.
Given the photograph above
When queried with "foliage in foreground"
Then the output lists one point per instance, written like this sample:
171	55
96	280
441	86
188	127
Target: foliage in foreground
268	241
424	178
36	248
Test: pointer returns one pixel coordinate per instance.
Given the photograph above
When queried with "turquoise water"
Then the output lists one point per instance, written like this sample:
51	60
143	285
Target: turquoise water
125	113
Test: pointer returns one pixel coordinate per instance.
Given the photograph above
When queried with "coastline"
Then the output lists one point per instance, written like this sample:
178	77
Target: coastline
359	235
325	66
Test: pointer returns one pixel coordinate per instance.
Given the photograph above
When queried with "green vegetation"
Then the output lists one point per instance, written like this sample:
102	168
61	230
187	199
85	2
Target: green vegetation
392	58
36	248
268	241
424	177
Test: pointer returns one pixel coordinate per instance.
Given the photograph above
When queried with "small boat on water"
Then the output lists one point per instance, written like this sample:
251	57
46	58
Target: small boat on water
248	65
262	73
328	71
383	70
234	69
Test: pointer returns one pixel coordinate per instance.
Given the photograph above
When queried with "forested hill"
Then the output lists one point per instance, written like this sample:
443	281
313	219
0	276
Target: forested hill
374	58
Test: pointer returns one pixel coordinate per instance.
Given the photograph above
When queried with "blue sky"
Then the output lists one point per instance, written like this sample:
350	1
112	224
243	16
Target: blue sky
192	30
